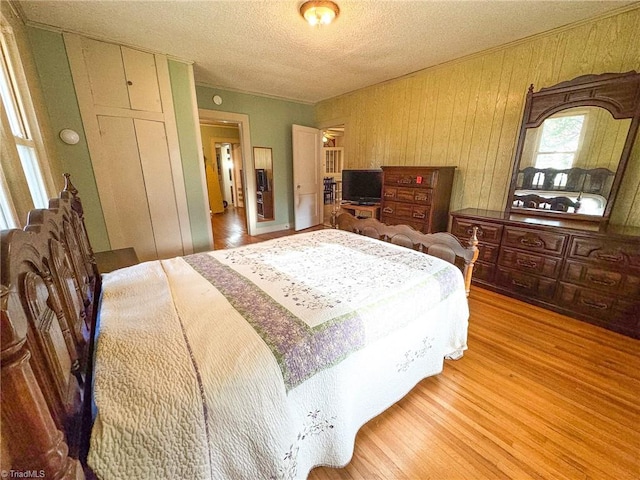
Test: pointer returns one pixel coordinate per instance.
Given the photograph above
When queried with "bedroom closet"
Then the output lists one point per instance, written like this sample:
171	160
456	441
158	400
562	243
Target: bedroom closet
126	104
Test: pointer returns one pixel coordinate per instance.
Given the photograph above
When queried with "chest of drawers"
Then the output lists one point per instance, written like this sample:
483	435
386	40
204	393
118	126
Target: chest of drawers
417	196
587	274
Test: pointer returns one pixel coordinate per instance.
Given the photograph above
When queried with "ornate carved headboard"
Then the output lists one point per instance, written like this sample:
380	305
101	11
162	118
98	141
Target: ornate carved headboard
442	245
50	285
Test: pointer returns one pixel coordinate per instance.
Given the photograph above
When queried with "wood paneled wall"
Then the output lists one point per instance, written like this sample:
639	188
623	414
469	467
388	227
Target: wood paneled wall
467	112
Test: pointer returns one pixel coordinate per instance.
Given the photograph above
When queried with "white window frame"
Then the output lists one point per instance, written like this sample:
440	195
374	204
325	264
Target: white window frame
568	113
26	172
8	214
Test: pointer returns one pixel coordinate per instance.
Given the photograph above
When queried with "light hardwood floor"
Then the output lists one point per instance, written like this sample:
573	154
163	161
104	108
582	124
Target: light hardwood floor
230	230
537	395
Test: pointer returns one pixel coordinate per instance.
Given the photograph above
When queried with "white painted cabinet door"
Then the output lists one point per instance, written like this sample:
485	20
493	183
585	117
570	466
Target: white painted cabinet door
142	80
126	105
158	183
121	187
106	73
122	77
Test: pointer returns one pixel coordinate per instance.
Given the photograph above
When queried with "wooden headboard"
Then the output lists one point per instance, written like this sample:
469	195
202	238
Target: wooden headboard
442	245
50	286
596	180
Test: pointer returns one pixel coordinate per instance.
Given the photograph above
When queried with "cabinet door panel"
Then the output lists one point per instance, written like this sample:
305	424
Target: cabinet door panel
156	168
106	73
121	188
142	79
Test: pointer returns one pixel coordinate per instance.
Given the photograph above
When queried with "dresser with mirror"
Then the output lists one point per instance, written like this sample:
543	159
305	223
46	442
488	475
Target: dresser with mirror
553	245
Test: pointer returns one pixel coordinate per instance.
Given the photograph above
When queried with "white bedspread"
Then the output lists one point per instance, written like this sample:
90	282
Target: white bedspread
187	387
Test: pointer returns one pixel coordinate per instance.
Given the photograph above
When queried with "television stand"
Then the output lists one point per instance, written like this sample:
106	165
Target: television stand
373	210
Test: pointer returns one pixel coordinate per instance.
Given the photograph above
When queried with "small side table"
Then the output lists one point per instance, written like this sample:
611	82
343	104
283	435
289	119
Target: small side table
114	259
374	210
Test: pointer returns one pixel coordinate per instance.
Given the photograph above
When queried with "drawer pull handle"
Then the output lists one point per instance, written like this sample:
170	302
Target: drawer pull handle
518	283
601	280
389	194
418	215
531	242
526	263
421	198
610	257
387	210
592	304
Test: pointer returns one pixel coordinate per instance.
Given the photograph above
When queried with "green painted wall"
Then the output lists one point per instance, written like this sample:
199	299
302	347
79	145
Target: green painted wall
50	56
270	123
187	127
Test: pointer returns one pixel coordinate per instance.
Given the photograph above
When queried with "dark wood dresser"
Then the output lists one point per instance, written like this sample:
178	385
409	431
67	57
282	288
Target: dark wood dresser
570	267
417	196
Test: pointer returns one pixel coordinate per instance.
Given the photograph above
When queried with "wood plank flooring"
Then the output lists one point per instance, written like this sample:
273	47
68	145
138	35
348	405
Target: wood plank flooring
537	396
230	230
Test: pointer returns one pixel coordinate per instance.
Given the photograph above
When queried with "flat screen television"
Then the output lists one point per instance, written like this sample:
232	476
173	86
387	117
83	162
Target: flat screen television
363	187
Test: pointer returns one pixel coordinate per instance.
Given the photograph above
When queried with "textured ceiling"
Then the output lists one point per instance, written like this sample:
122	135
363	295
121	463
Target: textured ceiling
265	47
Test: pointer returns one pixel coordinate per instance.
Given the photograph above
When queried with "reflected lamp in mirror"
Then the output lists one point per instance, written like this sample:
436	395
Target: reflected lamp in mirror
575	142
263	163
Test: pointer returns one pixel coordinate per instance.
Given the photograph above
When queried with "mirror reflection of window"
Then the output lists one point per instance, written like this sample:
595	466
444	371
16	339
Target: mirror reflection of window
560	141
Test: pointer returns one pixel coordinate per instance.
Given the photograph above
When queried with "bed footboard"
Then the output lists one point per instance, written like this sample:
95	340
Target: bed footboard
442	245
49	288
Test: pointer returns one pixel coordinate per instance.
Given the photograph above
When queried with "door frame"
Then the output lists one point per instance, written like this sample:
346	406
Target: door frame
242	121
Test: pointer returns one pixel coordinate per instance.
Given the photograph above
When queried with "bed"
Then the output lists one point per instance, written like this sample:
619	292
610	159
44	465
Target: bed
255	362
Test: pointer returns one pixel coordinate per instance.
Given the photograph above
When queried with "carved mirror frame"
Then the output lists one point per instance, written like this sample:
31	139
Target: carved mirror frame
618	93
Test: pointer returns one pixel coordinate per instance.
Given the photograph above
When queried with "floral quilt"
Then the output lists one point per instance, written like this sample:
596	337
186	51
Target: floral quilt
335	293
264	361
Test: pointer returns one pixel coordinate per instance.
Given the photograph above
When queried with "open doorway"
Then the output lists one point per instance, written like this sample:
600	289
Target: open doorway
226	154
333	163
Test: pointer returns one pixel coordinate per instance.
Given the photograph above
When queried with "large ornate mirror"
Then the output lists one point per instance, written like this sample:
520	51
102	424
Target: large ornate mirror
574	143
264	183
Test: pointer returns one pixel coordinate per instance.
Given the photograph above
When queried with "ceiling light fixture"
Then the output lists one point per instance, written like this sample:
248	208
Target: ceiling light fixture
319	12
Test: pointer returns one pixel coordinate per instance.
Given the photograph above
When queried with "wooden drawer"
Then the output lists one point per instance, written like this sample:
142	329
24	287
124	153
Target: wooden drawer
534	241
417	213
486	251
603	307
595	278
419	226
605	252
532	263
412	195
487	232
421	180
483	271
526	284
